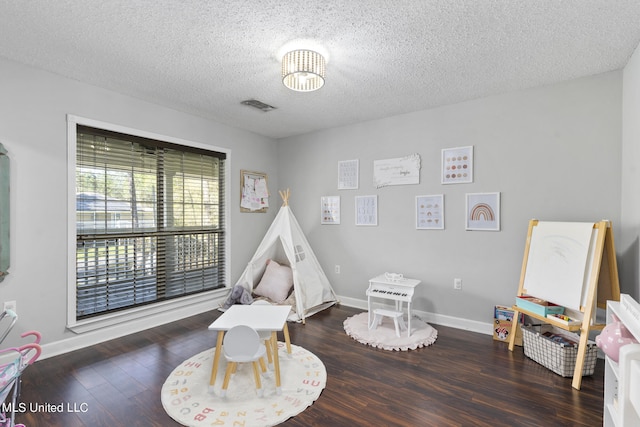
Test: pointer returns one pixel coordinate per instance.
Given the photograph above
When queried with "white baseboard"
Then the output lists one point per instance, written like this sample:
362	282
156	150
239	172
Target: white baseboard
88	339
116	331
438	319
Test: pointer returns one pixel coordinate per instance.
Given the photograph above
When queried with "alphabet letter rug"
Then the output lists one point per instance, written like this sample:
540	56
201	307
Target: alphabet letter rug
187	398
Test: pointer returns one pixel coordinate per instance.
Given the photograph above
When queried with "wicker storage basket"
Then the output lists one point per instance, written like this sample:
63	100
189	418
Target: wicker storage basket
552	348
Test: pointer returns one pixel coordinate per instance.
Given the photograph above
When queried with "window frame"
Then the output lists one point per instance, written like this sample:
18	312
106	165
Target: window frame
205	300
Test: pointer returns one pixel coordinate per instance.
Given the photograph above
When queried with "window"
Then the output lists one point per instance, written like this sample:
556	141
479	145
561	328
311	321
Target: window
150	223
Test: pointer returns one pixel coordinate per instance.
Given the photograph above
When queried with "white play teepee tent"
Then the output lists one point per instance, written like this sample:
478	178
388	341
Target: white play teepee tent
286	244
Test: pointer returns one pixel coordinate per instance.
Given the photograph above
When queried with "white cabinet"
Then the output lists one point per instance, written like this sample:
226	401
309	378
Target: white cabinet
622	380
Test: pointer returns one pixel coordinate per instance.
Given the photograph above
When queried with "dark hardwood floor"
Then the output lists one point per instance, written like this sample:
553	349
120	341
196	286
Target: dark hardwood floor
463	379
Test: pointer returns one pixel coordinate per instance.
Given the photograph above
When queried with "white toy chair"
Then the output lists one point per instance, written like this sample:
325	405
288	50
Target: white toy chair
242	344
266	336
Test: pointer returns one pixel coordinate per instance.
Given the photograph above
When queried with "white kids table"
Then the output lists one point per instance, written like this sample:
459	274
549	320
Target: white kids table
272	318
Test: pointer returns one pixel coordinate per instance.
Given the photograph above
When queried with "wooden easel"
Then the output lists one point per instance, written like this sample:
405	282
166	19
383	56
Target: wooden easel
603	285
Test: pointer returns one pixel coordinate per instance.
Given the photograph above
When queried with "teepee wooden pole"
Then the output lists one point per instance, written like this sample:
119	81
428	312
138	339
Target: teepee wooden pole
285	196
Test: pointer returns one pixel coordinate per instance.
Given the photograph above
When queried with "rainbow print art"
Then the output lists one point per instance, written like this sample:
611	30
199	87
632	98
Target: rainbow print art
483	211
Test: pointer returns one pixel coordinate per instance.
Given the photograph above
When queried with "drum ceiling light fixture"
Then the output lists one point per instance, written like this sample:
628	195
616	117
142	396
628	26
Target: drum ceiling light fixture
303	70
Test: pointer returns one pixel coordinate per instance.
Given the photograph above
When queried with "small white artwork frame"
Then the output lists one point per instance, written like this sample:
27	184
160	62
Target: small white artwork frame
457	165
367	210
330	210
482	211
348	174
430	212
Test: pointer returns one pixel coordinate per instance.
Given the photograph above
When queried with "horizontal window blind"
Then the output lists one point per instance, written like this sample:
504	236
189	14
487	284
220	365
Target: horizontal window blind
149	221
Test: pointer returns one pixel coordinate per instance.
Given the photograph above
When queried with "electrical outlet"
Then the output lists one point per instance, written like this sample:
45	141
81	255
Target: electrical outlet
457	284
337	269
10	305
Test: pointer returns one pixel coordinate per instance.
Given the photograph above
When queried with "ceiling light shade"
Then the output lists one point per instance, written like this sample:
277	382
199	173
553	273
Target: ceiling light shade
303	70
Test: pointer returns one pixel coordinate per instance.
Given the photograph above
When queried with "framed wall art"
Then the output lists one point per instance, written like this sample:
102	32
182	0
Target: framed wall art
348	174
254	193
330	210
400	171
366	210
430	212
457	165
483	211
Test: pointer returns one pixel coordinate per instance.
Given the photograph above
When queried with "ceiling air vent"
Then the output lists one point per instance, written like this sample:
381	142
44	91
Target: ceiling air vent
259	105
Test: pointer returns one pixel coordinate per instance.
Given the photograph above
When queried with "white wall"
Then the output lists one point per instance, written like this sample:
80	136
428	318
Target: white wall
628	246
553	152
33	109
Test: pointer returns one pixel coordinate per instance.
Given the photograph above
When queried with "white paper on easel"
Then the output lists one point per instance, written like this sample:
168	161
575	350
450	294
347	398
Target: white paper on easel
559	262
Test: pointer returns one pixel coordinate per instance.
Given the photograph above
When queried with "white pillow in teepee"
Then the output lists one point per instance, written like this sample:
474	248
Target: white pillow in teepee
276	282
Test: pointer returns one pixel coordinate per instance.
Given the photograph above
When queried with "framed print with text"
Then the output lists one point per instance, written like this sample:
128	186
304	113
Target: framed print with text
348	174
366	210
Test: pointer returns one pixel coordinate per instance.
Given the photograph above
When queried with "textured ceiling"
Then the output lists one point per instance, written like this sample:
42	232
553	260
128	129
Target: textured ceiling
385	57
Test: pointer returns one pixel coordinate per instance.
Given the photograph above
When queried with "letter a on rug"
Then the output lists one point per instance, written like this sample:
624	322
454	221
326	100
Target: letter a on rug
384	336
186	396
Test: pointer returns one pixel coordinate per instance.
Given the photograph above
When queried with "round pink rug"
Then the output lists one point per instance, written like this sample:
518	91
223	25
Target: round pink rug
384	336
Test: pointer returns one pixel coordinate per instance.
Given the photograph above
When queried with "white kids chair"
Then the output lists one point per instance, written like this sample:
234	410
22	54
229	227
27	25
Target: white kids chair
242	344
266	335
